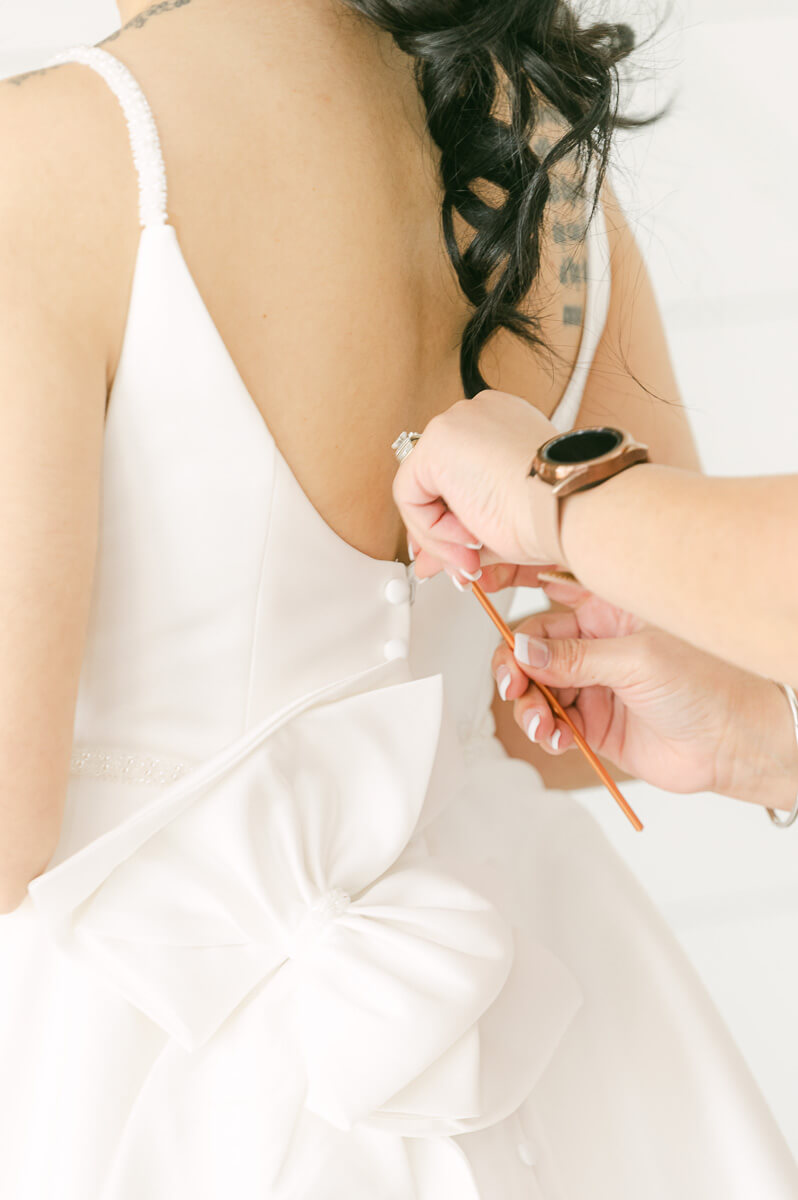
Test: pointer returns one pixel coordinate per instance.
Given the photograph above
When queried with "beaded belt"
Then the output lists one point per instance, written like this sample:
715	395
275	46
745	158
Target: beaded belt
133	767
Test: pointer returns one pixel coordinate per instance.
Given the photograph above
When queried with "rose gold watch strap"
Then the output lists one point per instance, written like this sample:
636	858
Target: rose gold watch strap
546	519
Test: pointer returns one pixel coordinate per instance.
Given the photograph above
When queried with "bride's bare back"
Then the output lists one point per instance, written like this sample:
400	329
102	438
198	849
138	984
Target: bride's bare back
304	187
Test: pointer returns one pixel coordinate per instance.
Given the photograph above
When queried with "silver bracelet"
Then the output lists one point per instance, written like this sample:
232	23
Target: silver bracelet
779	822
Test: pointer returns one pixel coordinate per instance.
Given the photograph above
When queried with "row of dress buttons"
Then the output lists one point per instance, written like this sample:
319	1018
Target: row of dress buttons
397	591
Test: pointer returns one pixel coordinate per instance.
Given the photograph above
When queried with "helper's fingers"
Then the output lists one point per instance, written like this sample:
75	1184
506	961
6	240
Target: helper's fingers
494	578
551	625
562	590
450	529
532	713
562	740
497	575
456	559
542	726
430	521
470	555
511	681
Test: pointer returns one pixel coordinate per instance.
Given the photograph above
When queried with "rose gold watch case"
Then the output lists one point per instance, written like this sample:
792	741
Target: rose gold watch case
567	477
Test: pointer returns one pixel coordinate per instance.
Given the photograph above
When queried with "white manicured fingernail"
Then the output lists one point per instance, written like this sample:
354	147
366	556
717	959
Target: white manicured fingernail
555	739
473	578
475	545
532	726
457	583
532	651
410	553
503	680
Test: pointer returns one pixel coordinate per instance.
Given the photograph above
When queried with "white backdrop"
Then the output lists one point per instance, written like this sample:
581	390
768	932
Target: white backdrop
711	194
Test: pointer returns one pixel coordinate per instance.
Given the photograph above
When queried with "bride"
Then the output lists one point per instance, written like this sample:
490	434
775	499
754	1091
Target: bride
288	908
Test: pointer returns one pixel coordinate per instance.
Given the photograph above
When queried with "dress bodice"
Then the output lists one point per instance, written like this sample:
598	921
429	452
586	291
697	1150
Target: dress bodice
220	593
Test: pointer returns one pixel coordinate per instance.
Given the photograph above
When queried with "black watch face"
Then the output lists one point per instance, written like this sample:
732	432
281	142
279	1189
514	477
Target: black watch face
582	445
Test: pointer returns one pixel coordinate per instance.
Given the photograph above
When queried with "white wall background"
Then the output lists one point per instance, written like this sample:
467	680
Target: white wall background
711	194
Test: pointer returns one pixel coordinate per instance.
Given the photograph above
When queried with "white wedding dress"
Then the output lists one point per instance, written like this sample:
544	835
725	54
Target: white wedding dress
309	933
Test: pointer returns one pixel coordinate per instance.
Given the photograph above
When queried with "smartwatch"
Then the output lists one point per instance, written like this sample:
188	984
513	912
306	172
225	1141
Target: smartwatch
573	462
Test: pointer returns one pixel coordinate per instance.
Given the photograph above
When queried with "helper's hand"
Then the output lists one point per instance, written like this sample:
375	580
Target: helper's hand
652	704
466	483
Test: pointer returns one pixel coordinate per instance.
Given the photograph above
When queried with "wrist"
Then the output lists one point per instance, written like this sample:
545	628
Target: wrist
576	461
596	515
761	761
540	538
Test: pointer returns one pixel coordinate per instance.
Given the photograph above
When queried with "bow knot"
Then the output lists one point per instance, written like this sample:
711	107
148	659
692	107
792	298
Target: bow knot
276	909
318	918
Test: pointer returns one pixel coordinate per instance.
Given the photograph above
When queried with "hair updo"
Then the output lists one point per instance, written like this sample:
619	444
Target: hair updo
469	53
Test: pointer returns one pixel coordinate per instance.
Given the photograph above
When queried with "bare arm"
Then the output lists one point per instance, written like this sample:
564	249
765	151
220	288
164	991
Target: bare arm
697	557
52	406
642	543
632	385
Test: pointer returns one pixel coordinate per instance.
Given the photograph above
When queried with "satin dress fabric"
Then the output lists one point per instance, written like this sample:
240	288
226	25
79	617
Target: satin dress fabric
344	948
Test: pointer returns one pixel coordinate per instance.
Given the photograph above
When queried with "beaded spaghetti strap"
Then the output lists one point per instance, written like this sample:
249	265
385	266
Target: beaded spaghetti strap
144	140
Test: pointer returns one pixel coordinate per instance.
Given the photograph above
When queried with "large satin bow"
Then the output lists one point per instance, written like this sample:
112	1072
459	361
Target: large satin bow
284	887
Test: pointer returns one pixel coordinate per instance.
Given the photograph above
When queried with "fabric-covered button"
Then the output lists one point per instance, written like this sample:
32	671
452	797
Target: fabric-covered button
526	1153
397	591
395	648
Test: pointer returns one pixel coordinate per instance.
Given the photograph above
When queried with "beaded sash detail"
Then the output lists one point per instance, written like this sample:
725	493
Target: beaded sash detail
128	766
132	767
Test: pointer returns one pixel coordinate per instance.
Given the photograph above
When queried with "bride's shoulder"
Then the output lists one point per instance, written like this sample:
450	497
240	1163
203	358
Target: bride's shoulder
68	197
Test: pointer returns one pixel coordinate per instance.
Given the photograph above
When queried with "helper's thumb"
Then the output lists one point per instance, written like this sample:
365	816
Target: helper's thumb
579	662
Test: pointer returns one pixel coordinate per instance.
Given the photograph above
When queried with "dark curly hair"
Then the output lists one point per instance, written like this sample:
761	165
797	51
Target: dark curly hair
469	53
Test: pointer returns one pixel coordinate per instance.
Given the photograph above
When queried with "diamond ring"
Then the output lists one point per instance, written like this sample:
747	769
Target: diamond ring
404	444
